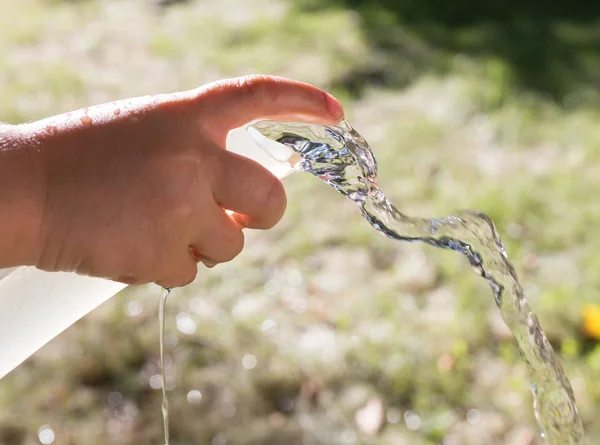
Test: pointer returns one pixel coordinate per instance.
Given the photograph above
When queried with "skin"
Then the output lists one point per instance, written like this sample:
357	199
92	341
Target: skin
136	190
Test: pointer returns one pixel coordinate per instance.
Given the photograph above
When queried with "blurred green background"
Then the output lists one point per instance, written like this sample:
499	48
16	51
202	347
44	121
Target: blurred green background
323	331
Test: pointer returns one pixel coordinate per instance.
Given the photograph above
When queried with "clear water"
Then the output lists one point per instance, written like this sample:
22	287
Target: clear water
341	157
161	323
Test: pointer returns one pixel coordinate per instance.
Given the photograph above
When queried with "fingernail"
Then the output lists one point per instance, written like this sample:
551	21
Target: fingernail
126	279
197	257
334	107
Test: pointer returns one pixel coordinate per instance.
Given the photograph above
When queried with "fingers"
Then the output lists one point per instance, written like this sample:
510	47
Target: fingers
172	265
207	233
234	102
219	240
213	239
245	187
169	265
180	272
238	184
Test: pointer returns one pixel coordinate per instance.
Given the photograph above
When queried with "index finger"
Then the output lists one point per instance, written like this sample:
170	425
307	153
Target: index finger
235	102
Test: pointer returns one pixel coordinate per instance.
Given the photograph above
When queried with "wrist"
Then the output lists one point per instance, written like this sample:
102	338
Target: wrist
22	197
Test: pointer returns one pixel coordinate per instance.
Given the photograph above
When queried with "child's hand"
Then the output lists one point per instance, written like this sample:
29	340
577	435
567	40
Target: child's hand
135	190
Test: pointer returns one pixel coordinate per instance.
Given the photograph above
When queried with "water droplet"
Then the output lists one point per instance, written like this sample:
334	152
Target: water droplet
117	111
168	361
130	410
272	287
513	399
294	277
268	326
578	384
199	306
171	340
86	121
115	398
46	435
319	339
229	410
245	307
286	405
134	308
228	395
155	381
514	230
412	420
194	397
185	324
219	439
51	130
473	416
348	436
298	305
249	361
394	415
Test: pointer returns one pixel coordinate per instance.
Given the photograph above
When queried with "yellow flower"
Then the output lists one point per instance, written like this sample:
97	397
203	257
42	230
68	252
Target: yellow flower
591	320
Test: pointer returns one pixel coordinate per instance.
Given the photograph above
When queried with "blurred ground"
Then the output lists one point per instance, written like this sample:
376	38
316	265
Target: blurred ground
322	331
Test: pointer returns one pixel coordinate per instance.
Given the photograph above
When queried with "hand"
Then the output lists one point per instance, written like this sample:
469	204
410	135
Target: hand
136	190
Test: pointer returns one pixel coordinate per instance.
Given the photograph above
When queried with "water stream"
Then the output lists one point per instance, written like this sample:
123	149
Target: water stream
161	323
341	157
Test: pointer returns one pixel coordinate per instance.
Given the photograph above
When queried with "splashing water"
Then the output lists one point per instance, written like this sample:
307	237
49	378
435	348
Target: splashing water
161	323
341	157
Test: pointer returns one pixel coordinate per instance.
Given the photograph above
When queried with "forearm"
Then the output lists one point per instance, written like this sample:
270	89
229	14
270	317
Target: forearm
21	198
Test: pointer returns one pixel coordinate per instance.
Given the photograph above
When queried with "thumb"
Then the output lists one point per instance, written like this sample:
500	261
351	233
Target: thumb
231	103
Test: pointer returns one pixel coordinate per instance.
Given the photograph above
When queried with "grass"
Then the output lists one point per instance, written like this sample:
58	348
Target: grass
333	313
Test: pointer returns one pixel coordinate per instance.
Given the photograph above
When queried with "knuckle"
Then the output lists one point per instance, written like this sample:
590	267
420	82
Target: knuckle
188	274
179	278
131	280
255	87
274	202
167	282
235	245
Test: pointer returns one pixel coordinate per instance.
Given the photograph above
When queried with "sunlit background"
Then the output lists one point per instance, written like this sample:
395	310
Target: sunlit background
323	331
